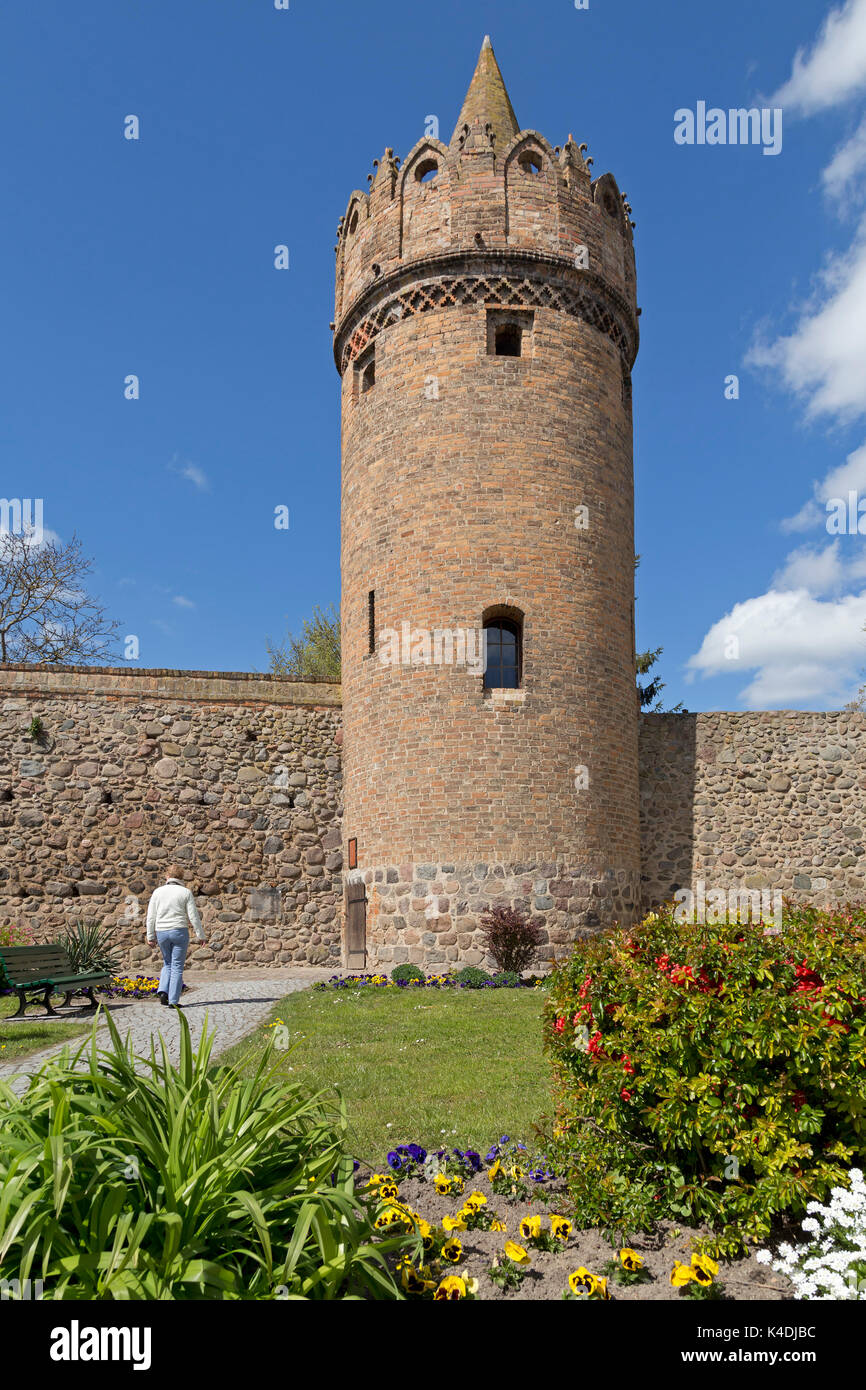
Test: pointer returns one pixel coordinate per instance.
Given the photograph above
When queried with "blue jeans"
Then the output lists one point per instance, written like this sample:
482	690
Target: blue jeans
174	946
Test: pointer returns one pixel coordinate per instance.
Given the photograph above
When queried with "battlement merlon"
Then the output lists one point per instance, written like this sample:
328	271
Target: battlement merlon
492	187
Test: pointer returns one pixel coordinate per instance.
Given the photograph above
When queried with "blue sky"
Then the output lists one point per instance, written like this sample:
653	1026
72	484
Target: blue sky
155	257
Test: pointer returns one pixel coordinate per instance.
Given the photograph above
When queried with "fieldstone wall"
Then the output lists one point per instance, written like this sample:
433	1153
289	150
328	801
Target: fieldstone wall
236	777
771	800
430	914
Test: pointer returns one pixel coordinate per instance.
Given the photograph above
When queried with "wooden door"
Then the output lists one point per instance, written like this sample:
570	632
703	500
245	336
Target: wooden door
356	926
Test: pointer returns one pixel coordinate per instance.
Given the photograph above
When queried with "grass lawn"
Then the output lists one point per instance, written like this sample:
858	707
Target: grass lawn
32	1035
456	1067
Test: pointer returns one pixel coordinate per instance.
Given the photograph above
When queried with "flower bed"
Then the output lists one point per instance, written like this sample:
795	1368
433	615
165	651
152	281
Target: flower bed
498	1227
833	1264
500	981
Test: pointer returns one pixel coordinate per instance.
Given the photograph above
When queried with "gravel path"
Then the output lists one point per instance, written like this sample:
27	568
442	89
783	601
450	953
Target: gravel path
233	1009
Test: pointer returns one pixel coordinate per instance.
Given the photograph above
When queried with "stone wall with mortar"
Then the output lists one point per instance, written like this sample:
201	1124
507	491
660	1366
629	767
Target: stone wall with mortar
236	777
430	914
760	800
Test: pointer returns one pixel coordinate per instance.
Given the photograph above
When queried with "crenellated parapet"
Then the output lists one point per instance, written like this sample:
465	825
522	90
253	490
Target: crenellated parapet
494	188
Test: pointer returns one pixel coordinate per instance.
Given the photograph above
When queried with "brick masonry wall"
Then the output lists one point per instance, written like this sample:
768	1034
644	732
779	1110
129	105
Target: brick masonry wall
236	777
773	800
463	474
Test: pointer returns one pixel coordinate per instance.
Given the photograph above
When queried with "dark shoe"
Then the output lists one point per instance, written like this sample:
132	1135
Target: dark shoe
162	996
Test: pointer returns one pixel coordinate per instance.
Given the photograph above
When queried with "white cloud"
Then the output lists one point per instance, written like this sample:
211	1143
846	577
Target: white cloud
824	359
847	163
183	602
835	69
807	518
816	571
849	476
802	648
192	473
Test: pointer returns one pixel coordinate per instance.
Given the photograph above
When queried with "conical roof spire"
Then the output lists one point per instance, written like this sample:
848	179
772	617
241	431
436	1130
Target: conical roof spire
487	101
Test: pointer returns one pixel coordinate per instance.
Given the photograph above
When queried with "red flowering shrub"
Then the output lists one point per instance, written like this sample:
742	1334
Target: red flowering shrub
713	1073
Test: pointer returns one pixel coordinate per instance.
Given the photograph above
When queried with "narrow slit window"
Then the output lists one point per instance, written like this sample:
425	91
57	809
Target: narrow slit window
371	622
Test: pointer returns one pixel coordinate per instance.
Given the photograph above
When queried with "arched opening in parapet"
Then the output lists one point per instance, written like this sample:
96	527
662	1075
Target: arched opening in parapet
427	171
530	162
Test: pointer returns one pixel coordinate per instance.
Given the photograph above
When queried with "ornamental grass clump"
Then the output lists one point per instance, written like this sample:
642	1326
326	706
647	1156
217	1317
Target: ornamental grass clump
712	1073
90	947
130	1178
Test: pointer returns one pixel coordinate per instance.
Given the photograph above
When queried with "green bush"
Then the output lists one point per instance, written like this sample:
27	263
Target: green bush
473	978
407	972
506	979
123	1178
89	947
712	1073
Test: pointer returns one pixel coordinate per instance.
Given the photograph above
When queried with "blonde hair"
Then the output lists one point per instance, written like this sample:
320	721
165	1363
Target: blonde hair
174	871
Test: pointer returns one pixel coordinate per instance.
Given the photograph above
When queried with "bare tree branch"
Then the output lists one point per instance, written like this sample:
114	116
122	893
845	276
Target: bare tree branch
46	615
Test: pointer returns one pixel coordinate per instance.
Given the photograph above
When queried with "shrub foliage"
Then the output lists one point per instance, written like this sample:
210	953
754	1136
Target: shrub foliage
407	972
712	1073
91	947
124	1178
511	938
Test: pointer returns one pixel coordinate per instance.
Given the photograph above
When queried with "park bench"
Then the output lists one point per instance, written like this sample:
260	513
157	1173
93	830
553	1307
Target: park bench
42	971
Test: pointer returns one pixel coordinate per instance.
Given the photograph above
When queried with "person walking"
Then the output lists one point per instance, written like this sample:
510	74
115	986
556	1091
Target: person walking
169	914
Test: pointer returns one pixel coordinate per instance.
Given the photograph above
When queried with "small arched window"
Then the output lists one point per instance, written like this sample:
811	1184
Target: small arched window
504	639
427	171
530	162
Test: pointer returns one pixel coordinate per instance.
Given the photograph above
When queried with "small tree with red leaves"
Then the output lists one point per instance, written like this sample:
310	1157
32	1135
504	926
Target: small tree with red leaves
511	938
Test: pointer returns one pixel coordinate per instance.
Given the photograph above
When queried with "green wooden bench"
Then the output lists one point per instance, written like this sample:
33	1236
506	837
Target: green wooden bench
42	971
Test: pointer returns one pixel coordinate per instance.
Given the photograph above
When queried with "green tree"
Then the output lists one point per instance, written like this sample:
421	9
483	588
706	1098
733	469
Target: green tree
314	655
651	691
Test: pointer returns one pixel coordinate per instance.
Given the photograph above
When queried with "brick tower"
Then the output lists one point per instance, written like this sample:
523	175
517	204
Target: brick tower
485	331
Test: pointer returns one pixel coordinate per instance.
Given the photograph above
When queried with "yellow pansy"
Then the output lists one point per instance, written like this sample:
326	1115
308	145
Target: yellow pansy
681	1275
561	1227
475	1201
497	1225
704	1269
452	1250
454	1223
530	1227
452	1286
413	1282
494	1171
630	1259
581	1282
516	1253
